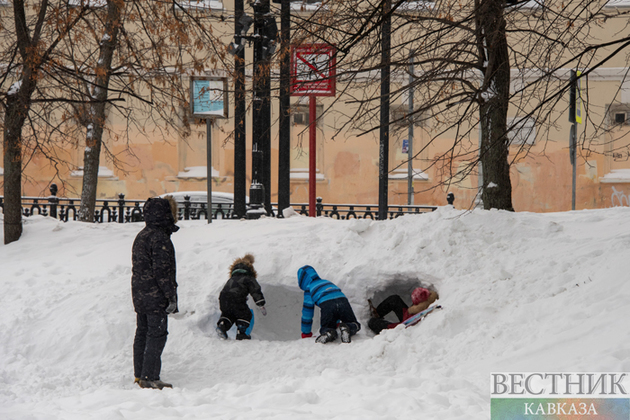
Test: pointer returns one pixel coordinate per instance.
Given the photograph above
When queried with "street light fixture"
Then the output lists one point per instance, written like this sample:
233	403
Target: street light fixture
264	40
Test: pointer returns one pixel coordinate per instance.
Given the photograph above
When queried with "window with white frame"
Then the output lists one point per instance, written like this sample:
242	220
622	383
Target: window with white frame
300	114
521	130
619	115
300	119
399	116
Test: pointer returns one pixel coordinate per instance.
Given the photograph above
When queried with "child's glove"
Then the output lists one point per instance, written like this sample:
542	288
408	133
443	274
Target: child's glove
307	335
263	310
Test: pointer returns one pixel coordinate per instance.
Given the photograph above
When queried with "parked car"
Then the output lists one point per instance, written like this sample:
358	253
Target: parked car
221	202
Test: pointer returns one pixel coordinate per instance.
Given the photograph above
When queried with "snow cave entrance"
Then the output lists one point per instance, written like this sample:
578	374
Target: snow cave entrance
284	307
401	286
284	311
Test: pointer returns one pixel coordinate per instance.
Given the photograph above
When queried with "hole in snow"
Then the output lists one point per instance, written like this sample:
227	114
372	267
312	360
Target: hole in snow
284	308
284	313
398	285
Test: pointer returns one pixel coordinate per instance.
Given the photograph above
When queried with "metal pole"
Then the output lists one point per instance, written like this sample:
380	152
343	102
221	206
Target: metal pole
284	135
479	199
209	165
265	119
572	151
573	133
257	189
384	126
312	144
240	147
410	135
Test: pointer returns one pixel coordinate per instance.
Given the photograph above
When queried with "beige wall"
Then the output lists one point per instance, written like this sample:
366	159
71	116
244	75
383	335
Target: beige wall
541	179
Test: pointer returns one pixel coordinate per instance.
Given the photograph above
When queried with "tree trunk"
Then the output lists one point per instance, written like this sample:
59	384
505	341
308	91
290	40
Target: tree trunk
17	108
14	120
97	111
18	105
494	102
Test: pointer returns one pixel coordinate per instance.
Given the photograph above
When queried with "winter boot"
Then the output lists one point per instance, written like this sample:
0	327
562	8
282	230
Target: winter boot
326	337
241	335
222	334
345	333
222	329
157	384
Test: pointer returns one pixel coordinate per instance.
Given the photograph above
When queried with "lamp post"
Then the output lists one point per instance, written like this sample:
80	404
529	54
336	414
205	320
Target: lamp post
239	113
264	43
383	167
284	136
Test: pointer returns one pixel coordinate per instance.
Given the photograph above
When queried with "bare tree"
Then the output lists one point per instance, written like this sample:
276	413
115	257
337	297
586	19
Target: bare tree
96	114
66	67
161	44
29	45
465	55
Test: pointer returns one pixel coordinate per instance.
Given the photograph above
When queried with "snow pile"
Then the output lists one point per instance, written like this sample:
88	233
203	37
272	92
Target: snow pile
520	291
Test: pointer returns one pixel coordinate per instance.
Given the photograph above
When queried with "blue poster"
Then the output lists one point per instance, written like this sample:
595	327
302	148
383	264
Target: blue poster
208	98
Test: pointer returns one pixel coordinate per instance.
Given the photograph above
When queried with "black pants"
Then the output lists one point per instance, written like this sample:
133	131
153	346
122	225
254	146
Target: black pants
333	311
393	303
234	313
151	332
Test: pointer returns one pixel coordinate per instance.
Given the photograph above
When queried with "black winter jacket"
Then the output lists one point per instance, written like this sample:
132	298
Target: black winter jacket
153	282
242	282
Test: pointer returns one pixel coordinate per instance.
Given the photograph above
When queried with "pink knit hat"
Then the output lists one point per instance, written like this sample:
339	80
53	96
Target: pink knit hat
419	294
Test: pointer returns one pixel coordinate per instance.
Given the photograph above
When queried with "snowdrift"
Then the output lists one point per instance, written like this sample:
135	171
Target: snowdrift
520	291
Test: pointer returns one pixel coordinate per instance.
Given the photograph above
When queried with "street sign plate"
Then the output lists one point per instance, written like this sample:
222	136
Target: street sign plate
208	97
313	70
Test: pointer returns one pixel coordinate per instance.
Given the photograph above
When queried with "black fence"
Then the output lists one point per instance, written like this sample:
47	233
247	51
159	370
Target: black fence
128	211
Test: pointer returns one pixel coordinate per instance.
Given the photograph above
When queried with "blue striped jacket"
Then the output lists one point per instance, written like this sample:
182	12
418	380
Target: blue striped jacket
316	291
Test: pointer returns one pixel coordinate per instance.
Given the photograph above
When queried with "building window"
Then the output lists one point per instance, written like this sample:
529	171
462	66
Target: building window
399	117
521	130
618	115
300	114
300	142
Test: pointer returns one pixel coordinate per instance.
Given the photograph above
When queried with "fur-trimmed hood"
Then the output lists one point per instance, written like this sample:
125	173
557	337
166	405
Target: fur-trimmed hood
159	212
244	263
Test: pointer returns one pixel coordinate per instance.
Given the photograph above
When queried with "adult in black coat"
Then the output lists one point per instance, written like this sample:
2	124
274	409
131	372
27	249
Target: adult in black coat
233	298
153	289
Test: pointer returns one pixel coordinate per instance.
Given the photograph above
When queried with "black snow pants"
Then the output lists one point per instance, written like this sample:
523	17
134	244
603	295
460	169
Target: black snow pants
233	313
393	303
151	332
336	310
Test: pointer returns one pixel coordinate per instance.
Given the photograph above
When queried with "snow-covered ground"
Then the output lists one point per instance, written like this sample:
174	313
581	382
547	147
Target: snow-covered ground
521	292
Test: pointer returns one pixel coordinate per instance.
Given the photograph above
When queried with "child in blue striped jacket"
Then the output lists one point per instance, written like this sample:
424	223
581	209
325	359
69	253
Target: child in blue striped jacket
335	308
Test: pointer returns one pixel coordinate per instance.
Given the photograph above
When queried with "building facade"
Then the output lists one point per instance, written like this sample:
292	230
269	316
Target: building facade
154	163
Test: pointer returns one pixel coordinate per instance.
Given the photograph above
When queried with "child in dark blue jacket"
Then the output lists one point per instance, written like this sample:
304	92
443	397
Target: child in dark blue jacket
233	299
335	308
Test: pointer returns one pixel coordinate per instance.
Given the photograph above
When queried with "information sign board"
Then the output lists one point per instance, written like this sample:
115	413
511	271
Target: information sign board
208	97
313	70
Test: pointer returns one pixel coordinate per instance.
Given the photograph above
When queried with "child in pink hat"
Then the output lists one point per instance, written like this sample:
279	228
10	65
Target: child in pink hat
421	299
